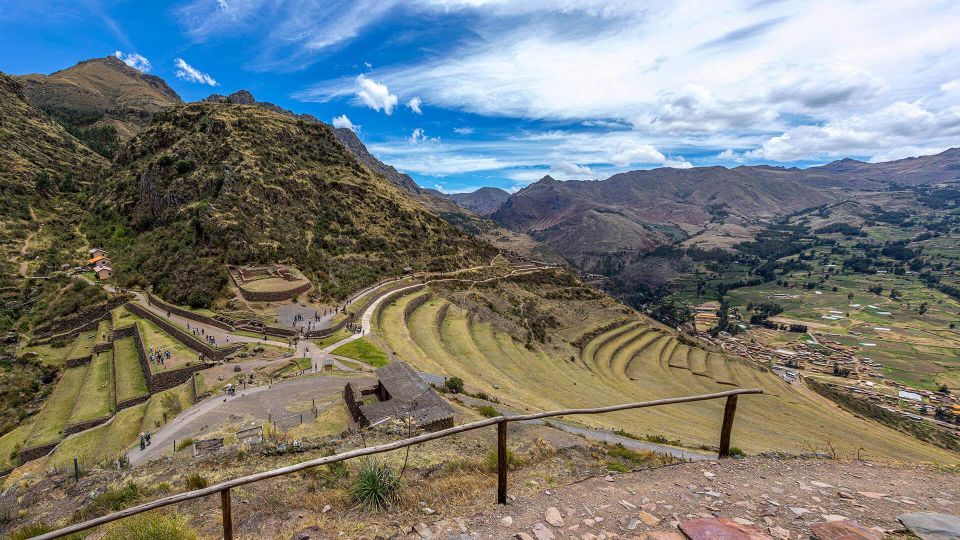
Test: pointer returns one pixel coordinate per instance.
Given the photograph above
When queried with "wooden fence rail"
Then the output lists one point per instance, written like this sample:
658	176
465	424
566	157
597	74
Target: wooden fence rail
223	488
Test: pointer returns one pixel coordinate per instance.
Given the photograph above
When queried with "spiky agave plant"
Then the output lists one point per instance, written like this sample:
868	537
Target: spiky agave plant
376	486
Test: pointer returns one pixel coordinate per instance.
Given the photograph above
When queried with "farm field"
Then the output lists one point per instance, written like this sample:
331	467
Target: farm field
171	402
56	412
363	351
273	284
49	354
128	373
122	317
155	338
634	361
918	349
102	443
10	442
96	398
83	345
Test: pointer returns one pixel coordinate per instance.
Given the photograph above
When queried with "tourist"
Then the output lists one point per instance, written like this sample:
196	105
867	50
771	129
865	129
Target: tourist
148	438
143	442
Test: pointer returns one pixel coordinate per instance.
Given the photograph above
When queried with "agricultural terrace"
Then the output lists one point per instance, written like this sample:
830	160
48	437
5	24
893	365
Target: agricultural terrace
83	345
128	373
97	395
122	317
102	443
55	415
363	351
154	337
632	361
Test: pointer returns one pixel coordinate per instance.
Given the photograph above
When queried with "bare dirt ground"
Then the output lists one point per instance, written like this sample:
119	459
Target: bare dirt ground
782	497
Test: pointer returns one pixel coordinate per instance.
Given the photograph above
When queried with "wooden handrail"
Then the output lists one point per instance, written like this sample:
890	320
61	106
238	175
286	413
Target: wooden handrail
223	487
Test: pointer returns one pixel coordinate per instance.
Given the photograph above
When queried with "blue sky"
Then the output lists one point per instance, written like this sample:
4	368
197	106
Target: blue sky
468	93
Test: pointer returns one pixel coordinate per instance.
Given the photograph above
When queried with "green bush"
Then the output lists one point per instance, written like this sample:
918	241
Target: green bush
197	481
151	526
109	501
616	466
376	486
493	461
629	456
453	385
736	452
487	411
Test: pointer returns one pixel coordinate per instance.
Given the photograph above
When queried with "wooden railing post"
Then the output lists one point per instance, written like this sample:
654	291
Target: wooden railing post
502	462
227	514
728	413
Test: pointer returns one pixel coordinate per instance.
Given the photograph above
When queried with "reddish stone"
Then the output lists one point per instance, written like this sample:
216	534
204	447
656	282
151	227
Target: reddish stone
842	530
720	529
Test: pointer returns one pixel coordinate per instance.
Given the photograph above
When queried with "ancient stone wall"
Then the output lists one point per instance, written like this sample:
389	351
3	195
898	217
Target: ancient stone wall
274	296
203	319
182	336
83	426
132	402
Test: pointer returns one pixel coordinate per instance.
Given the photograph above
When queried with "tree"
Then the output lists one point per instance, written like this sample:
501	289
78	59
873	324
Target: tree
454	385
922	309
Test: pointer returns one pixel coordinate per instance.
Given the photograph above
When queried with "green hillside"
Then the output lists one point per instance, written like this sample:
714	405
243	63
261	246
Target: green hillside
208	184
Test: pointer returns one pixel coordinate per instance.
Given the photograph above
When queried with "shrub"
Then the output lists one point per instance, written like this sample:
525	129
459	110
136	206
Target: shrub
185	443
631	456
185	166
736	452
492	460
151	526
376	486
453	385
487	411
616	466
197	481
109	501
29	531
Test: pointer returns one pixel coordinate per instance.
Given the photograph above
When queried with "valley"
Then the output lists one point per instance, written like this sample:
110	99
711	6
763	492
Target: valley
268	277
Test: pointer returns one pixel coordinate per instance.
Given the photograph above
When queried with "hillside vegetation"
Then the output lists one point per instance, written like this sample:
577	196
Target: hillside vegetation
543	341
209	184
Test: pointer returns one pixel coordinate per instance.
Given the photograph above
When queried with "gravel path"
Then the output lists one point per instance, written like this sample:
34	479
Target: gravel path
781	497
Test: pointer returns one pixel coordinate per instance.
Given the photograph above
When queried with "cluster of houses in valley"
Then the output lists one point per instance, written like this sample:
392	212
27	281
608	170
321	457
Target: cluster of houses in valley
825	356
100	262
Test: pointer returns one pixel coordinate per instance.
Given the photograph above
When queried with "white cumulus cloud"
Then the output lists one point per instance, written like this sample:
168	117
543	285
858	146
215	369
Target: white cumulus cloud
415	105
343	122
134	60
188	73
570	170
375	95
419	136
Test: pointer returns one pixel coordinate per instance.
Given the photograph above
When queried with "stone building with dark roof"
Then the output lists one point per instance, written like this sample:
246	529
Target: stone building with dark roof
400	392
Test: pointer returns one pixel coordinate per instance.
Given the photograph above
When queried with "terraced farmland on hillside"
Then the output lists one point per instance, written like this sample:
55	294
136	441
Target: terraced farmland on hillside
97	394
56	411
128	373
635	361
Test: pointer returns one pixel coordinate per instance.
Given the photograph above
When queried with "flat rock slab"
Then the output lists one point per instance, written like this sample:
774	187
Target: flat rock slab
842	530
720	529
930	526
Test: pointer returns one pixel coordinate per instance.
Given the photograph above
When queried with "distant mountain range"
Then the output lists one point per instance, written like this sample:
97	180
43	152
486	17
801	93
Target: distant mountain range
597	226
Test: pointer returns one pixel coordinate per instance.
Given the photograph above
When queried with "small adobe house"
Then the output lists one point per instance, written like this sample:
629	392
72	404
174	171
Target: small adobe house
400	392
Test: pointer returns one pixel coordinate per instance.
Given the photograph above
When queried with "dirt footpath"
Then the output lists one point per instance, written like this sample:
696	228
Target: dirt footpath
780	497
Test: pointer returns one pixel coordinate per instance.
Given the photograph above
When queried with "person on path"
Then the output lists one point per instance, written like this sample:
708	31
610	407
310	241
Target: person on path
148	438
143	443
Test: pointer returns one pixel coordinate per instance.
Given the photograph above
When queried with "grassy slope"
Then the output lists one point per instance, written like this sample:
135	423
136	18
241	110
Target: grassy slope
364	351
632	363
56	411
98	393
10	442
101	443
129	375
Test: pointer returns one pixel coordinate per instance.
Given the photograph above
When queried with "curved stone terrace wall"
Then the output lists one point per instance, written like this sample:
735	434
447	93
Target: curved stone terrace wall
203	319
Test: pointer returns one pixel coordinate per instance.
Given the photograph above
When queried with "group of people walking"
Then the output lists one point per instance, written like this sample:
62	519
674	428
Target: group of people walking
159	356
144	440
